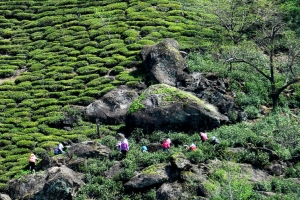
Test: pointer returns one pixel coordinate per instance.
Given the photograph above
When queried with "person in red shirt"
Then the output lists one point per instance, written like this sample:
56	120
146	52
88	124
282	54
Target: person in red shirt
32	160
193	147
166	145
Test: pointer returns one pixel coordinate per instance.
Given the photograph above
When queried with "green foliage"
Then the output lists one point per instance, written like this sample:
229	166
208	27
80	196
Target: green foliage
286	189
4	187
26	144
225	182
136	105
293	172
258	158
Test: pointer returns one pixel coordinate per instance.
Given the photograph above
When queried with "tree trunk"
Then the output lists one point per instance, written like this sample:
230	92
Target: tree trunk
275	100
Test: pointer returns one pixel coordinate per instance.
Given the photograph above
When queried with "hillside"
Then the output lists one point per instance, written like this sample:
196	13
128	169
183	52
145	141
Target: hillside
67	49
59	56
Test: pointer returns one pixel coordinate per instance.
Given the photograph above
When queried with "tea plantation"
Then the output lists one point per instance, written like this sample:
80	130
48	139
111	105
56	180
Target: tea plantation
63	51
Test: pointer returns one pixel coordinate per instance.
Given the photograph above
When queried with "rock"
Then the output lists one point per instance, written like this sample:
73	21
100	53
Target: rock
154	147
80	150
4	197
114	170
202	191
170	191
242	116
276	167
289	164
88	149
267	194
75	163
54	183
163	61
152	176
214	91
197	175
60	160
165	108
112	107
253	174
180	161
277	170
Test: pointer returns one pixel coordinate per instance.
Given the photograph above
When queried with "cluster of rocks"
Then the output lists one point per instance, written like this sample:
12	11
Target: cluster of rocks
59	177
198	101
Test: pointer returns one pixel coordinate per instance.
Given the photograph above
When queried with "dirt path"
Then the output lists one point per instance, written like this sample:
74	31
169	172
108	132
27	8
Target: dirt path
18	72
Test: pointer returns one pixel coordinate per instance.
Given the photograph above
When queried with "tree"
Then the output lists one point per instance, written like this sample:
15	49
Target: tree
271	50
238	17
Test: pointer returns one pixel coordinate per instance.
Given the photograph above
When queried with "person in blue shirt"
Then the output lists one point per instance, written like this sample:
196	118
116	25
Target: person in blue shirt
144	149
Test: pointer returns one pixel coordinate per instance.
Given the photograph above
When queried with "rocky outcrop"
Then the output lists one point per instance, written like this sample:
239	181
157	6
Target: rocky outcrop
76	156
152	176
112	107
212	89
171	191
114	170
4	197
181	162
163	62
166	108
276	168
54	183
88	149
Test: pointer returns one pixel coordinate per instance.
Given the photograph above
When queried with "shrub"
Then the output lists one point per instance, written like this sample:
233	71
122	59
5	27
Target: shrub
4	73
117	69
26	144
258	158
4	187
21	137
293	172
87	70
89	50
98	81
5	142
225	181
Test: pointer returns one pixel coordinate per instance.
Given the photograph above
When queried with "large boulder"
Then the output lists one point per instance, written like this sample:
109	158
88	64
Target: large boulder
276	168
164	62
152	176
166	108
112	107
88	149
211	88
171	191
4	197
54	183
113	170
76	155
181	162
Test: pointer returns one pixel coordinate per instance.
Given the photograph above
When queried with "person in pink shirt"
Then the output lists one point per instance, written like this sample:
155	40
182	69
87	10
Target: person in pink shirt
32	161
203	136
166	145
